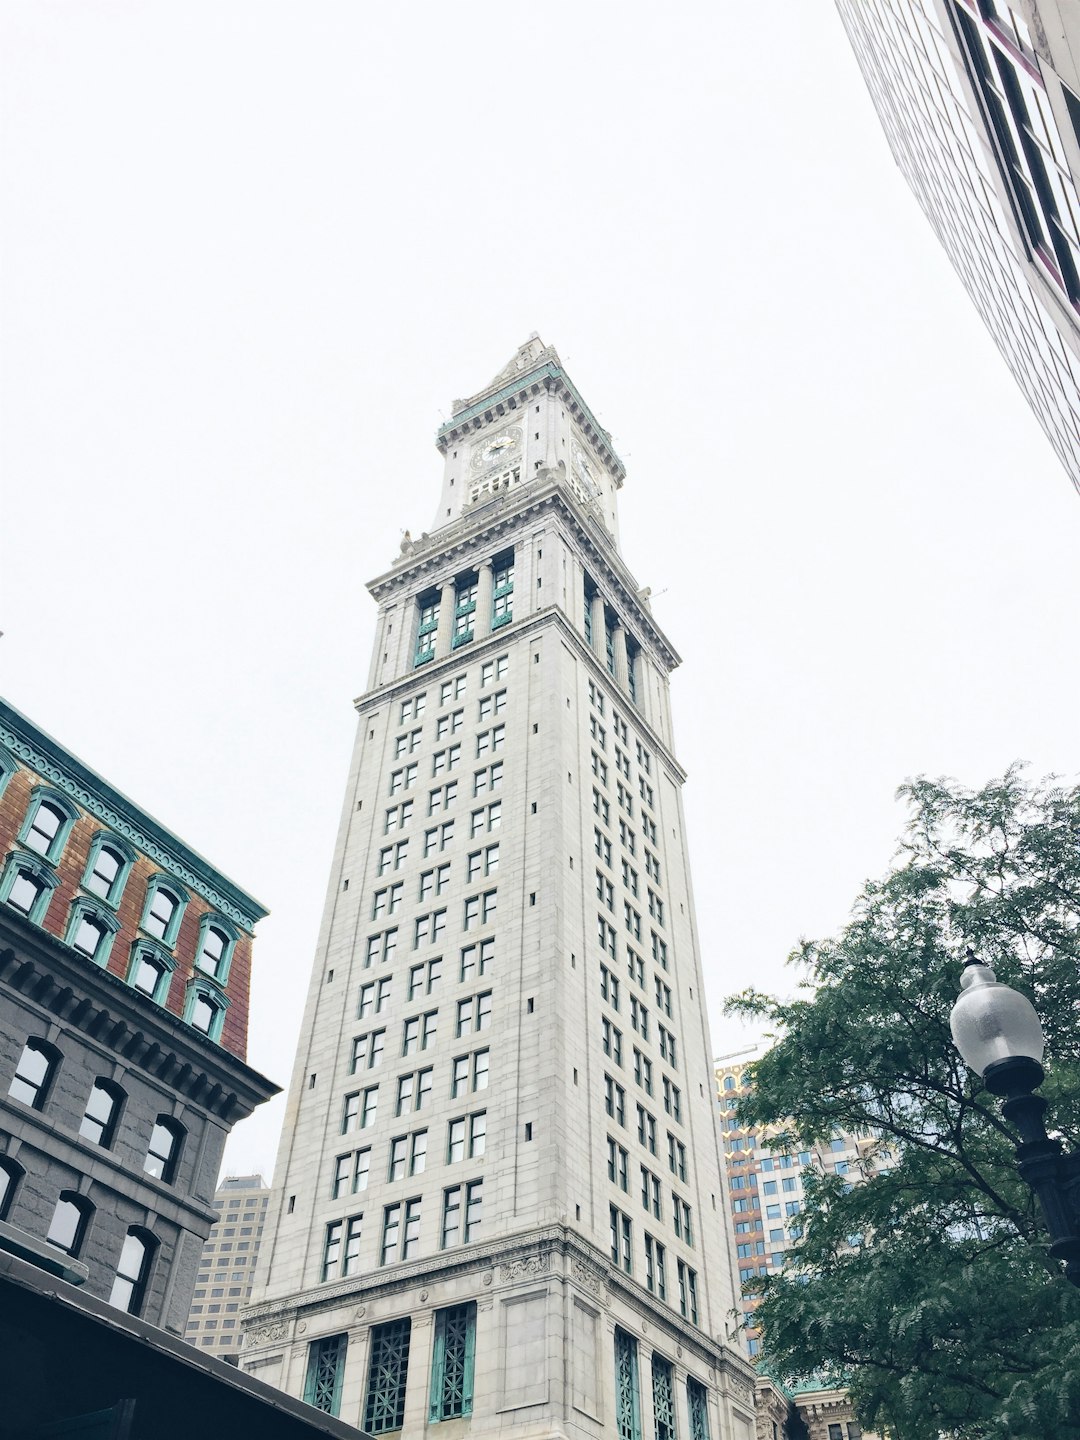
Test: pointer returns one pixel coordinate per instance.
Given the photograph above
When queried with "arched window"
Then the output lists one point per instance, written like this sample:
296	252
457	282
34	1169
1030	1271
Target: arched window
150	970
107	868
10	1175
729	1082
214	954
35	1073
48	824
27	885
102	1113
91	929
70	1222
164	906
133	1271
163	1152
205	1008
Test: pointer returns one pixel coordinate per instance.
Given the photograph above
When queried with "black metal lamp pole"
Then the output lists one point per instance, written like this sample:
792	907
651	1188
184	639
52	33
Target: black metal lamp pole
999	1036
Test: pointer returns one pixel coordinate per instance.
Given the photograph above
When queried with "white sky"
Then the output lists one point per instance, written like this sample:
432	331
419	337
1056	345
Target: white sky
252	251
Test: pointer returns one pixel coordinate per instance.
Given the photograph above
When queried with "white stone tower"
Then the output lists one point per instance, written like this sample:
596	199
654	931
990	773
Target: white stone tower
497	1202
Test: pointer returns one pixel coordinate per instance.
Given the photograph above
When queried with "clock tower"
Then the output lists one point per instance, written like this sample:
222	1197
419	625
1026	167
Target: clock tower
497	1202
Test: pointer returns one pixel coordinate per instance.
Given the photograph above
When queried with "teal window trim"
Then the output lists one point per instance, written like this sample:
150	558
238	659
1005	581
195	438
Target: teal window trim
8	766
465	607
325	1373
498	621
697	1404
203	988
25	861
212	920
127	856
82	907
627	1392
151	950
45	794
388	1372
165	882
452	1362
461	639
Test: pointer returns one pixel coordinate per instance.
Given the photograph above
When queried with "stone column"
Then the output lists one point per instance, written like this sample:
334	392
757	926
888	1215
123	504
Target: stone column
599	631
621	659
482	614
444	633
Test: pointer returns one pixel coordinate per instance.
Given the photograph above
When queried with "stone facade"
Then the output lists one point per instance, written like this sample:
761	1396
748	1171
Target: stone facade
504	1050
114	1104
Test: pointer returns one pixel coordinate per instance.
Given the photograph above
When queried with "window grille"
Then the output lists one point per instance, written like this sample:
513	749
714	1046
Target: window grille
387	1374
452	1363
663	1390
627	1401
326	1366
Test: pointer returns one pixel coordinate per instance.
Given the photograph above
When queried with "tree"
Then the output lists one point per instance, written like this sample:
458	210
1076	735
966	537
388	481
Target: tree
928	1288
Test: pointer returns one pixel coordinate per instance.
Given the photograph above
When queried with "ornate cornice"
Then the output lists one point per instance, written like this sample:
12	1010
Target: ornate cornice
439	556
96	796
79	993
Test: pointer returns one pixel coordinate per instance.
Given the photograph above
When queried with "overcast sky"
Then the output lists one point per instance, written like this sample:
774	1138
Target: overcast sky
252	251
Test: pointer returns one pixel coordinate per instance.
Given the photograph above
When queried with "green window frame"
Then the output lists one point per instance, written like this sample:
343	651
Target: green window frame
388	1373
8	767
216	966
155	955
96	915
697	1405
51	847
663	1392
41	876
427	609
154	885
627	1393
325	1372
452	1362
502	590
107	891
204	993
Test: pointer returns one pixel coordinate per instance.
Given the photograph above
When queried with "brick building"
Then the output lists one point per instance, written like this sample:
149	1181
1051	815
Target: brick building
125	962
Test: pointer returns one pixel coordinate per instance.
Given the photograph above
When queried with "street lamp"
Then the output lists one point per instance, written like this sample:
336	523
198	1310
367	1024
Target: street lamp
999	1036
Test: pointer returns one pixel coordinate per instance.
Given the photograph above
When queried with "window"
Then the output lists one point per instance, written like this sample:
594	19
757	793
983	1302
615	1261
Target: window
599	769
621	1239
626	800
107	868
688	1306
403	779
133	1271
164	907
663	997
611	1039
35	1073
683	1219
414	1091
10	1175
27	886
428	928
462	1213
438	837
488	779
452	1362
651	1194
414	708
47	825
606	935
452	690
424	977
643	1071
494	670
418	1032
602	846
476	959
466	1136
388	1371
469	1072
663	1389
359	1109
672	1100
482	862
605	891
627	1400
639	1017
426	632
341	1248
449	724
325	1370
617	1165
488	818
351	1173
601	807
635	965
491	705
434	882
367	1051
609	987
614	1100
204	1009
490	740
667	1046
70	1222
444	760
632	920
398	816
676	1156
407	743
401	1231
622	763
99	1121
659	954
473	1013
90	930
442	798
479	909
214	951
373	996
163	1151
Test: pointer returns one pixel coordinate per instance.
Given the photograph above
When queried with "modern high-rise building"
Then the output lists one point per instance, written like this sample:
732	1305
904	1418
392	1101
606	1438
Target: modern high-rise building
498	1197
980	102
227	1268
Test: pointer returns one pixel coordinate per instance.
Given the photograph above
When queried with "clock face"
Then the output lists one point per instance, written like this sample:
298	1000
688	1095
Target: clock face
584	470
494	451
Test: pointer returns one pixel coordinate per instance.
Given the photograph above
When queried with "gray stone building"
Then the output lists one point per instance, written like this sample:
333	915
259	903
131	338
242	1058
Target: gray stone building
227	1266
980	103
498	1200
124	975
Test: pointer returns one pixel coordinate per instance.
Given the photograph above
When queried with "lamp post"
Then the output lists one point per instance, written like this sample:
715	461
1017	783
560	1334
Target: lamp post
998	1035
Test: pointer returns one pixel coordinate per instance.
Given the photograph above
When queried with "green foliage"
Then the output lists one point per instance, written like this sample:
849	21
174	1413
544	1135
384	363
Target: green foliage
945	1316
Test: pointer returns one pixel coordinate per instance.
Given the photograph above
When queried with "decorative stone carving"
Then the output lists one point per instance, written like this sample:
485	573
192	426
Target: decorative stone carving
423	1296
527	1265
589	1278
360	1312
488	1278
267	1334
301	1327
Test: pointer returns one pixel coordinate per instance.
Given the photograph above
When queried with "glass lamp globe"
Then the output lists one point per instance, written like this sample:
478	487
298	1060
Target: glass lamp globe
992	1022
